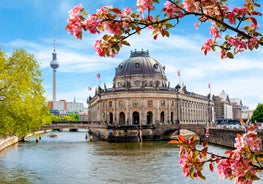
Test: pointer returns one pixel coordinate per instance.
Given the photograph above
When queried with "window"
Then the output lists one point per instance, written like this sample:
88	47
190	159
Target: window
121	102
110	103
150	103
155	66
137	65
162	102
135	103
172	103
137	83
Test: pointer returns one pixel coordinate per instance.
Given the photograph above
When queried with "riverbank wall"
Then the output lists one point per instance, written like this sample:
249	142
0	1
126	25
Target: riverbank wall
9	141
12	140
226	137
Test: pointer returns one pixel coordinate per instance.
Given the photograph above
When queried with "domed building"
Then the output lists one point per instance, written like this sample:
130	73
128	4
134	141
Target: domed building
141	96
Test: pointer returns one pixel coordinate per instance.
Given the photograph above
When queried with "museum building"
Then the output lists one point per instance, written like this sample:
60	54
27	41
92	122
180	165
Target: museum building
141	95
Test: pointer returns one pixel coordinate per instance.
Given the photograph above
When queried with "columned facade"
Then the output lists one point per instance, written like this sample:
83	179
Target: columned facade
141	95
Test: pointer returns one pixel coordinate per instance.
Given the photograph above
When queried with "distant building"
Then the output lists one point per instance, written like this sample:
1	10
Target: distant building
223	107
74	107
237	107
246	113
65	108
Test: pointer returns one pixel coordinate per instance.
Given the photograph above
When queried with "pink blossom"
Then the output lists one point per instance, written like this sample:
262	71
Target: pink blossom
252	42
223	54
253	141
170	9
114	27
98	46
207	46
214	32
191	5
231	18
143	5
224	169
92	23
196	25
239	45
74	21
127	11
103	11
239	144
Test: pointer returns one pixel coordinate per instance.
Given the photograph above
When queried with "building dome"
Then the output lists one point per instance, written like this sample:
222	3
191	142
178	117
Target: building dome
140	71
140	63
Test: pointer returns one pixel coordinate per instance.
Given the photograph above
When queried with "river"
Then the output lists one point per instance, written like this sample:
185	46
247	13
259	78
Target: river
71	159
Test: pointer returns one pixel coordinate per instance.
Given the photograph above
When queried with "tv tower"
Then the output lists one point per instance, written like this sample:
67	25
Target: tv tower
54	64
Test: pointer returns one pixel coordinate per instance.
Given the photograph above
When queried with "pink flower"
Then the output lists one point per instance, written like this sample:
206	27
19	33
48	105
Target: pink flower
214	32
143	5
224	169
239	45
252	141
98	46
196	25
191	5
252	42
207	46
170	9
92	23
74	21
127	11
239	144
223	54
231	18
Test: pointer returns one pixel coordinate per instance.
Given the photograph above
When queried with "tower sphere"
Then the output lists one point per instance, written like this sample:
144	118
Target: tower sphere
54	63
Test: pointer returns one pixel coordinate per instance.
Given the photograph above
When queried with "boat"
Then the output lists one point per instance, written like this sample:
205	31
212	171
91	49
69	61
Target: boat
53	134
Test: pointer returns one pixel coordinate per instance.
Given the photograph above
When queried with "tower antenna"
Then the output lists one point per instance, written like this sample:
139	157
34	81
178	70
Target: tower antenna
54	64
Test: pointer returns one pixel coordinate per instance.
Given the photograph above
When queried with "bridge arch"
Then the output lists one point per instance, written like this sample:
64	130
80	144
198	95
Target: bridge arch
167	131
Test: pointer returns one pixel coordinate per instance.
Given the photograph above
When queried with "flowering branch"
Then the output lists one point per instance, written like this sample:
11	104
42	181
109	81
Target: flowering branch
122	24
241	164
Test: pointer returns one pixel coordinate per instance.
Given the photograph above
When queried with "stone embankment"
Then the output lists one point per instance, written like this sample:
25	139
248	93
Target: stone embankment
9	141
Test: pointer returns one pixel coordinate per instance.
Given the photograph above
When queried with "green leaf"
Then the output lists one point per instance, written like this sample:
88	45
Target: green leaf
230	55
200	175
124	42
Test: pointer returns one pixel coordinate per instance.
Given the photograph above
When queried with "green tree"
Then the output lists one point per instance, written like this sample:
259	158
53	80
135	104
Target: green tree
23	107
258	113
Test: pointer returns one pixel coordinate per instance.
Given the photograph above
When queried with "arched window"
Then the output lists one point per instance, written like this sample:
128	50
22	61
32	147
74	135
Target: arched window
111	118
136	118
149	117
162	117
172	117
122	118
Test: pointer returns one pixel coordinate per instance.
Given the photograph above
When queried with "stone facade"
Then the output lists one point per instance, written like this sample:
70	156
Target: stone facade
141	95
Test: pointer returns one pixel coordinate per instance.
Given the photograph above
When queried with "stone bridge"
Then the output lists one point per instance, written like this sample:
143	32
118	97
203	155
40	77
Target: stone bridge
127	133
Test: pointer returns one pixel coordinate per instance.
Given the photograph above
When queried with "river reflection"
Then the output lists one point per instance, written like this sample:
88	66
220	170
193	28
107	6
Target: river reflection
70	159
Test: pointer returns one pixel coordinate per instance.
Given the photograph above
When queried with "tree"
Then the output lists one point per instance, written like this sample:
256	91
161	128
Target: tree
23	107
233	31
258	113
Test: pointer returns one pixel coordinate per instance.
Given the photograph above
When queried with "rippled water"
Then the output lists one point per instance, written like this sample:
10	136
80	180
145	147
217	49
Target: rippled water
70	159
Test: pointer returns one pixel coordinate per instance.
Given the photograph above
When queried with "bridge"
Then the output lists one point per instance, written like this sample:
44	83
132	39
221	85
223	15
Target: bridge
127	133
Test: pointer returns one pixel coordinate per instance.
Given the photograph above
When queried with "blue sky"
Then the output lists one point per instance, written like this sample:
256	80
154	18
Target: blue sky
29	24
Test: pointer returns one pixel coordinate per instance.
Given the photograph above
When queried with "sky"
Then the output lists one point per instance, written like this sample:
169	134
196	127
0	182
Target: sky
31	24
